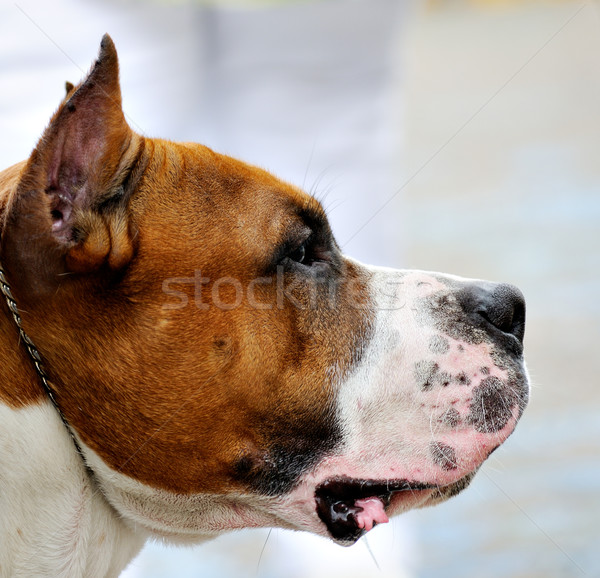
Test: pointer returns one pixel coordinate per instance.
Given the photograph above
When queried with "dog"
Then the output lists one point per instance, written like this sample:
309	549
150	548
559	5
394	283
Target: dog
186	351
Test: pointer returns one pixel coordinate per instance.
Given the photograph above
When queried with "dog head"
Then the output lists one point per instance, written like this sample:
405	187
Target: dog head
221	362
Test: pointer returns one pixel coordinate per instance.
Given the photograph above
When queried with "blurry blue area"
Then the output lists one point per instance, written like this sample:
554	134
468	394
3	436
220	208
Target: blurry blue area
532	534
544	192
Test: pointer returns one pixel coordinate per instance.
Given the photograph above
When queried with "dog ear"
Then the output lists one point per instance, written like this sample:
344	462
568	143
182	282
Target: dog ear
69	212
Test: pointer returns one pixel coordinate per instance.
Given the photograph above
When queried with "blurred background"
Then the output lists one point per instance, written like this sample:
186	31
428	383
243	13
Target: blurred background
452	135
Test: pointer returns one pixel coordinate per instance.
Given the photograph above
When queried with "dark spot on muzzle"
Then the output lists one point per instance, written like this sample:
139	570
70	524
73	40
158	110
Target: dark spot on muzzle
443	455
451	418
438	345
492	405
427	374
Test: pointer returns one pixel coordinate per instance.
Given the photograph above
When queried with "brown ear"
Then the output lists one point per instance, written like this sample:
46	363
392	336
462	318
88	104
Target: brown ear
69	212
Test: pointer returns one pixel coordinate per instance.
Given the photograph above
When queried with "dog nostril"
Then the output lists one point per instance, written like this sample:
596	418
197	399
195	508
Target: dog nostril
497	306
504	308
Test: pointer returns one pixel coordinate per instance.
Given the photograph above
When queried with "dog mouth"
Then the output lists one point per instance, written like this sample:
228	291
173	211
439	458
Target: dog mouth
350	507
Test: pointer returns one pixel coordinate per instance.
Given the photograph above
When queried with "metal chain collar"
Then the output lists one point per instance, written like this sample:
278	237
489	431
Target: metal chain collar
33	353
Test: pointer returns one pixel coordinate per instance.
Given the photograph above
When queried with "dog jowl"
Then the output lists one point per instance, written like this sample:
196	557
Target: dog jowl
218	360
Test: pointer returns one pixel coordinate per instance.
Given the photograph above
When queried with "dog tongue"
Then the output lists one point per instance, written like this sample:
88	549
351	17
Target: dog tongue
370	512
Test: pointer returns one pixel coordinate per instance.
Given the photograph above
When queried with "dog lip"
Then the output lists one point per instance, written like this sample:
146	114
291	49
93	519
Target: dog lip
345	487
340	500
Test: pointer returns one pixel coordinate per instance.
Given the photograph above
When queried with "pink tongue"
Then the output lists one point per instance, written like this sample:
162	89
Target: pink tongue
372	513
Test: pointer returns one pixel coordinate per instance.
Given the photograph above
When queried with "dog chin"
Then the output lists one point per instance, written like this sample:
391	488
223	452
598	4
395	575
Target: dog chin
443	493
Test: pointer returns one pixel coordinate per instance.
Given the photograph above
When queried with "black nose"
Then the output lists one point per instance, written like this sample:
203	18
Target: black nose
499	305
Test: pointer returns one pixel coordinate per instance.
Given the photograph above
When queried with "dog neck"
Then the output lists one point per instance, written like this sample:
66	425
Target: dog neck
33	352
54	520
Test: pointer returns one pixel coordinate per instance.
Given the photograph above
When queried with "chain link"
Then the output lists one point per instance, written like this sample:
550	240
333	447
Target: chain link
33	352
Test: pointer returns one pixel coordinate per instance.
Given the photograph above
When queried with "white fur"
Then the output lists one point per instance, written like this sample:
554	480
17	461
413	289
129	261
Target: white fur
53	520
180	518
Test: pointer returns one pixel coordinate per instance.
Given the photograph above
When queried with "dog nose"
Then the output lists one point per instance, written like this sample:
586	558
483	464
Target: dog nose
499	305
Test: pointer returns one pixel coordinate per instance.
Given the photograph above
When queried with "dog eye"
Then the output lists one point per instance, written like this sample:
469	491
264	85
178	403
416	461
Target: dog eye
309	254
299	254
